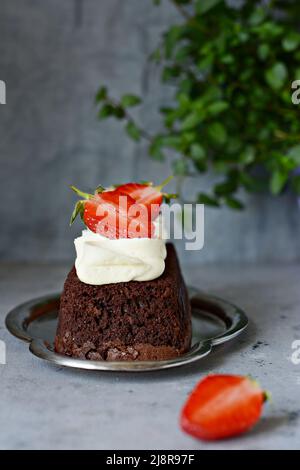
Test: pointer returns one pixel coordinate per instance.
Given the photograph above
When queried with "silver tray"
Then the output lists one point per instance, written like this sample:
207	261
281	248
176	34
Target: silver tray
215	321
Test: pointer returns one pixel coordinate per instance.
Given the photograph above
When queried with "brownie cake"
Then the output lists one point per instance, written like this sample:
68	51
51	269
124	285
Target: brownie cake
149	320
125	298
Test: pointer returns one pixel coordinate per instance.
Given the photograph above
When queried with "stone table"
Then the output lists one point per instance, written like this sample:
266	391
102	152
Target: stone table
49	407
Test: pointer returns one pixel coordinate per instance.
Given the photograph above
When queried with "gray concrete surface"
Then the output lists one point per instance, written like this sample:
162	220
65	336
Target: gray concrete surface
47	407
53	56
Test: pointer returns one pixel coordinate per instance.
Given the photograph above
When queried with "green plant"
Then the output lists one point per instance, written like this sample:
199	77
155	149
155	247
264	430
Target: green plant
231	113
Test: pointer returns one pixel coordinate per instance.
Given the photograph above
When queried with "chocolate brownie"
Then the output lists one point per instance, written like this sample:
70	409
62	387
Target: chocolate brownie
148	320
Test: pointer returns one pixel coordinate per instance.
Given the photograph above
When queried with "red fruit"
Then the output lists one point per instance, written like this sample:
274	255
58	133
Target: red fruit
107	214
222	406
146	194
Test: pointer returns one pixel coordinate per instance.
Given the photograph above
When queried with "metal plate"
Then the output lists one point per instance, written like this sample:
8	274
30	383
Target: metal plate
214	322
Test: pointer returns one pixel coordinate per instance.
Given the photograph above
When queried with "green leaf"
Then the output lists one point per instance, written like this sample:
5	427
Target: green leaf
226	188
186	85
217	107
234	203
79	209
276	75
119	112
203	6
106	111
243	36
278	181
257	16
291	42
180	167
200	165
234	145
263	51
286	163
183	101
171	38
218	133
101	94
155	151
169	73
208	200
228	59
197	152
133	131
205	63
294	153
220	166
128	101
170	117
192	120
248	155
252	183
183	53
173	141
189	137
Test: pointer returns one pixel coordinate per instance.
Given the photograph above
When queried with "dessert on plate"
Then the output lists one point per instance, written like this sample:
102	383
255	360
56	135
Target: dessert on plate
125	298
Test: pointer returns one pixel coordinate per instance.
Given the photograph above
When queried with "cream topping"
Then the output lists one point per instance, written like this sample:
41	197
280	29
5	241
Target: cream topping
101	260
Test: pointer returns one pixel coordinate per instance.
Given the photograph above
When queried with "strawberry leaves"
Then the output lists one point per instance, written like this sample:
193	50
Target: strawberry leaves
81	193
99	189
166	196
79	206
78	209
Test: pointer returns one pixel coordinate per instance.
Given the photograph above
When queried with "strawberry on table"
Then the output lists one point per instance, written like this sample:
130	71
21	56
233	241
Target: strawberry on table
222	406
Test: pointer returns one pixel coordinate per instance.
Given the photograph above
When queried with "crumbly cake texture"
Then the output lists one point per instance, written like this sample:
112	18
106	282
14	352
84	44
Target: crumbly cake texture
149	320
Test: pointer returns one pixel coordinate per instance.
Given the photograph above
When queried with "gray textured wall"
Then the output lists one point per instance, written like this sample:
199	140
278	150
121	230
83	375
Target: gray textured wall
53	56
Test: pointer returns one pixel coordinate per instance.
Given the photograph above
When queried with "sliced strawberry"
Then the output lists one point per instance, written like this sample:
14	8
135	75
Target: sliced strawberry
222	406
146	194
134	190
107	214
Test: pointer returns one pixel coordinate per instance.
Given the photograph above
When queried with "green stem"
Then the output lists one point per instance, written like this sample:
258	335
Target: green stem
81	193
129	118
164	183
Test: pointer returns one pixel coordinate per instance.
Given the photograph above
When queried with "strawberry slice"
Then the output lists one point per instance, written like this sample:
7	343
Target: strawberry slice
147	194
113	215
222	406
104	215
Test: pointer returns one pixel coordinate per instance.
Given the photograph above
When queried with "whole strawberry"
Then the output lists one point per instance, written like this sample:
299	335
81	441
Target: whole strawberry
222	406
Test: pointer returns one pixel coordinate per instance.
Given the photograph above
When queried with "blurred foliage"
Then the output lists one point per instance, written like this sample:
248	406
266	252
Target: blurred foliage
231	69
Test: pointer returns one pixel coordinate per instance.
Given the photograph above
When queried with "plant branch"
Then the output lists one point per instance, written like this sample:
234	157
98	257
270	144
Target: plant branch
129	118
181	10
144	133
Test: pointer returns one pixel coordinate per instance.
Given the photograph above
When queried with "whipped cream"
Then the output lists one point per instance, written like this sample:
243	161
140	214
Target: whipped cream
101	260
